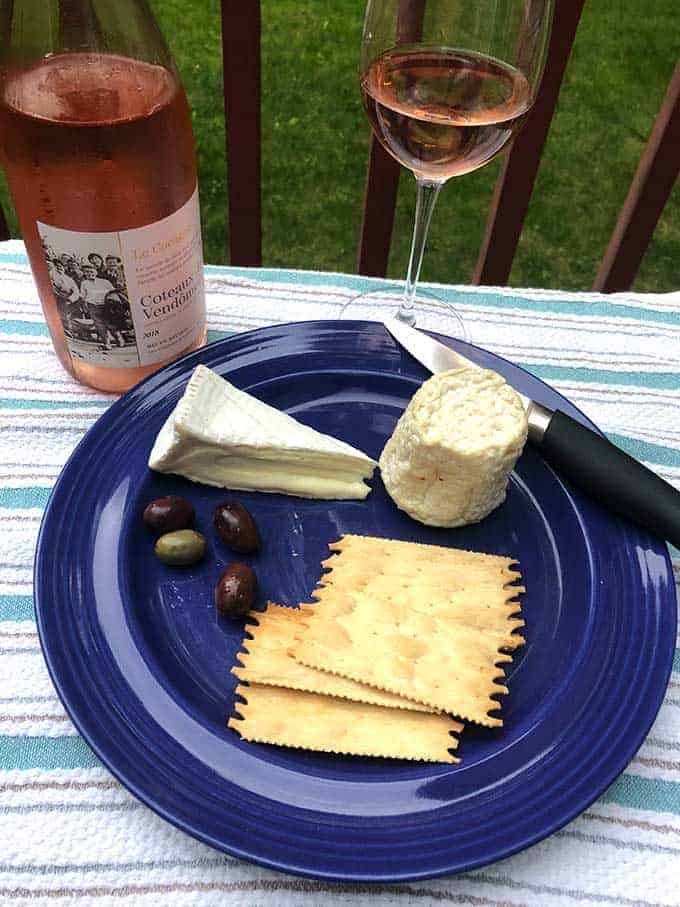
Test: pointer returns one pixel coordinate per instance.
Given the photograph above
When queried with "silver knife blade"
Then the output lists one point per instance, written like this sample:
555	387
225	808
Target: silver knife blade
433	355
437	357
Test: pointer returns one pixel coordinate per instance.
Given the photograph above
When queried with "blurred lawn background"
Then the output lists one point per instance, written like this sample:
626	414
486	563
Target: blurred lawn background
315	141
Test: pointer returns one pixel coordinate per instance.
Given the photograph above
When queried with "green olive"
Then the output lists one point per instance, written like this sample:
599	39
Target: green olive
181	549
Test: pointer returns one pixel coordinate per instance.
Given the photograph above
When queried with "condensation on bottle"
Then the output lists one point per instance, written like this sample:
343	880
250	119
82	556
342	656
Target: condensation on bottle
97	146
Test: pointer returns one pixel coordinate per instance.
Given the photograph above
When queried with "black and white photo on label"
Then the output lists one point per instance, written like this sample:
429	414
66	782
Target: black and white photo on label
92	298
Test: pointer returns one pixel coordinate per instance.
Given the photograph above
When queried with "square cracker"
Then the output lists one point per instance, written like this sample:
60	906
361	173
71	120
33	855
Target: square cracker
424	622
313	722
266	660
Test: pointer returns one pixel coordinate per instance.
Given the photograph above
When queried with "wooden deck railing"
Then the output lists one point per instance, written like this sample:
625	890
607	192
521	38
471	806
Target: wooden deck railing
650	189
515	182
241	75
647	197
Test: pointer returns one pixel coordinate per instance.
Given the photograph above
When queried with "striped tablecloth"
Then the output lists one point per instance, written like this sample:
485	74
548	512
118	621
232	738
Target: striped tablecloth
71	834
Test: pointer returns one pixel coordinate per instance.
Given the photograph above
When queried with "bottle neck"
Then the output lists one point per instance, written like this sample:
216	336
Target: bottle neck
31	30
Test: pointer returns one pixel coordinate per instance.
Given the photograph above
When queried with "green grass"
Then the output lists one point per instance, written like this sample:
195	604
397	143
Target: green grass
315	141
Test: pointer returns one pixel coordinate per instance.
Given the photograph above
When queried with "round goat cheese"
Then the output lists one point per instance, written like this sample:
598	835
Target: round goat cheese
449	458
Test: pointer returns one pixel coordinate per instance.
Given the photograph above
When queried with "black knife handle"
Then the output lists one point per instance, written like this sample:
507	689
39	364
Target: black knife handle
613	478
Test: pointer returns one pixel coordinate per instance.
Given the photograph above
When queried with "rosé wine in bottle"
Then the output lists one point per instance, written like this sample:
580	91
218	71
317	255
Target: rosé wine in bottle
96	142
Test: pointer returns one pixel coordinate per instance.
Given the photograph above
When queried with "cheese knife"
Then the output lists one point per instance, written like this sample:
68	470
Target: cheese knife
591	462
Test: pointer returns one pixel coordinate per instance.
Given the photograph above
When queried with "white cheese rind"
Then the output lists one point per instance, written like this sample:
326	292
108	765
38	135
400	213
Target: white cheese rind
451	453
219	435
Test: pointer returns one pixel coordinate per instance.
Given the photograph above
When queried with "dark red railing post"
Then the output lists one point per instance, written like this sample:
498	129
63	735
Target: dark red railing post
241	74
380	201
382	175
516	180
647	197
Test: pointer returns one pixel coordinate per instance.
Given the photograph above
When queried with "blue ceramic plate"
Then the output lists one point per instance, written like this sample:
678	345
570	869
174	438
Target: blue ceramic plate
141	660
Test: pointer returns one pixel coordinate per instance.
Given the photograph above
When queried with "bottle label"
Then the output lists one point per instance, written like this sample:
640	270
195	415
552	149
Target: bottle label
129	298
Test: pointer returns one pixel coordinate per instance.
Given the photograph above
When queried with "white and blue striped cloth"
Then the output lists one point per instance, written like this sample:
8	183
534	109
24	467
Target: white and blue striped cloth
71	834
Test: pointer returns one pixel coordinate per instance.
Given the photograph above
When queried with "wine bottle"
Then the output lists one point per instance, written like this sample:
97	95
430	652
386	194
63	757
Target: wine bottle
97	146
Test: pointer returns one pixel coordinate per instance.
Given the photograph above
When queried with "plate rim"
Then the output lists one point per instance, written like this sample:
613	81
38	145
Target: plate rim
182	366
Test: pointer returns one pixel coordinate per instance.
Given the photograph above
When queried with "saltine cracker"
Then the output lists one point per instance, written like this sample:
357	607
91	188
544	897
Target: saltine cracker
427	623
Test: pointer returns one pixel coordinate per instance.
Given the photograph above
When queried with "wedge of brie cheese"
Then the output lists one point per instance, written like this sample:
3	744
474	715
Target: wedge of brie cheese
219	435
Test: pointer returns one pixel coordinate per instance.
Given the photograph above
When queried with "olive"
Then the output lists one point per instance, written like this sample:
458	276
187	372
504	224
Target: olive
236	527
169	514
181	549
235	590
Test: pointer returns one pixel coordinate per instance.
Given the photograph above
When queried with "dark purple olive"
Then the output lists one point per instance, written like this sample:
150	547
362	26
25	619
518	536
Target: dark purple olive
236	527
169	514
235	591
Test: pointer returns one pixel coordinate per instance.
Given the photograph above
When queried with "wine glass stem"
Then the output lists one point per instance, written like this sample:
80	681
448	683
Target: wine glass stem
428	190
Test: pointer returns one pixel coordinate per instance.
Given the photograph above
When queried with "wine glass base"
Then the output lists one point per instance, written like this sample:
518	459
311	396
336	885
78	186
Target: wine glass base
428	312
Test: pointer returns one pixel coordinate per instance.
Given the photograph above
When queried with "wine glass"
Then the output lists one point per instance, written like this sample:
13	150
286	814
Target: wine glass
446	85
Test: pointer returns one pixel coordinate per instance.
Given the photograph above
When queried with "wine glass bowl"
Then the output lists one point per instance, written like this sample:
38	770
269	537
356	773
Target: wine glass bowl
446	85
442	113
